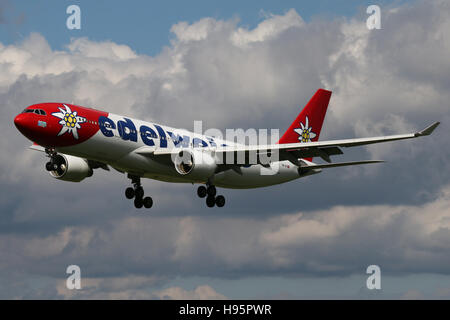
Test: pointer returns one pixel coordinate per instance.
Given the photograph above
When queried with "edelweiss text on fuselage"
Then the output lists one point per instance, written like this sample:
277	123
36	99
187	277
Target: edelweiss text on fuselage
127	131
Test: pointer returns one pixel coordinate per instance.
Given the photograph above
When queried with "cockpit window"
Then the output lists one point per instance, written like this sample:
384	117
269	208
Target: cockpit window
36	111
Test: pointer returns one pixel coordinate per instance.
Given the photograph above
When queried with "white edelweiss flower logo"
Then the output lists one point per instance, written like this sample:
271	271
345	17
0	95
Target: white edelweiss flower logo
305	132
69	120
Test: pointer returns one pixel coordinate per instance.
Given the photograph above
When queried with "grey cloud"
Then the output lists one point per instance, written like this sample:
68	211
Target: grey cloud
336	242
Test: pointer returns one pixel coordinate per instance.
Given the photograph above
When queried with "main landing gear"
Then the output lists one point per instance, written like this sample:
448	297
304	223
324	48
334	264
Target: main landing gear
137	192
210	192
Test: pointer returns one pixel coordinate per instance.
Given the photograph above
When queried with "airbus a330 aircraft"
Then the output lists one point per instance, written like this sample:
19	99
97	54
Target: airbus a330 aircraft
78	140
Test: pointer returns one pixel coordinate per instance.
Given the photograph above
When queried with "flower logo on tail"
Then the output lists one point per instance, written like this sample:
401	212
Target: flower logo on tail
69	120
305	132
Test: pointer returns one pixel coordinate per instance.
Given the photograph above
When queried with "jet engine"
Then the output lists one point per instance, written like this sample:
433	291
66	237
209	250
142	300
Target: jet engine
69	168
196	164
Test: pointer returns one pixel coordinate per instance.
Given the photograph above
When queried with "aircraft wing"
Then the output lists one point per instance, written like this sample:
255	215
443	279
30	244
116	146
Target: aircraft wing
323	149
294	151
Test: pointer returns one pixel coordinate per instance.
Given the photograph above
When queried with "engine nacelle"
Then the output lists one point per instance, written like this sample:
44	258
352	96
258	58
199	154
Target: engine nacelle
195	164
71	168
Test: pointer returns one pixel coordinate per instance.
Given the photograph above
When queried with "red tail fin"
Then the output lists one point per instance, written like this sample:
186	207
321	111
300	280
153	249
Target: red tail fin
306	127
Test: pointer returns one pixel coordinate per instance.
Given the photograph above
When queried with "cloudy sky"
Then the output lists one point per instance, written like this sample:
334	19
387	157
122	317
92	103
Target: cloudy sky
232	66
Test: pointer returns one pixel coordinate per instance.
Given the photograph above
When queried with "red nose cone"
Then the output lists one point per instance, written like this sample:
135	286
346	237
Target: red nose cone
24	123
20	121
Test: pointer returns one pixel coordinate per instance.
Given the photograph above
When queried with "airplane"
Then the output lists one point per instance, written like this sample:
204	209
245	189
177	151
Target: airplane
78	140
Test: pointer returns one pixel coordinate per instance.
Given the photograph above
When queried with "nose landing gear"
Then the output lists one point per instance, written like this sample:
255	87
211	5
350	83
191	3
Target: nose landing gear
55	163
137	192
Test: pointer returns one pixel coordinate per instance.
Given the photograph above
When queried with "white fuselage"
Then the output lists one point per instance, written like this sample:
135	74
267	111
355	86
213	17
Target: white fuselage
117	145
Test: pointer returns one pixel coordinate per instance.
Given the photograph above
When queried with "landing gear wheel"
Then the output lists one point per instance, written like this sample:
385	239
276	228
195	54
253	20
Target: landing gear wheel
220	201
201	191
49	166
148	202
211	190
129	193
138	203
139	192
210	201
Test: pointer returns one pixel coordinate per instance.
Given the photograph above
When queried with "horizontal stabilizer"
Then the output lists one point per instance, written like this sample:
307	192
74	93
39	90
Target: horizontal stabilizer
341	164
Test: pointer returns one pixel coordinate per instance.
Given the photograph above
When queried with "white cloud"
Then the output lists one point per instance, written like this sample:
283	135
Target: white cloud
105	50
124	288
271	27
204	292
196	31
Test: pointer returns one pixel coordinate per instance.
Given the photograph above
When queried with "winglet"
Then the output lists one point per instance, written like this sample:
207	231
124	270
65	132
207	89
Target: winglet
428	130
